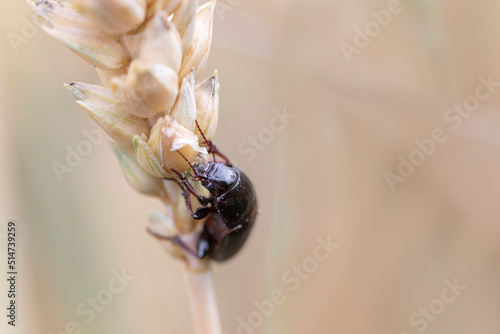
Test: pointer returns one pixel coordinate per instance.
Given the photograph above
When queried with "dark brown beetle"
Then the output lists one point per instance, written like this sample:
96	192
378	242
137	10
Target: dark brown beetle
230	211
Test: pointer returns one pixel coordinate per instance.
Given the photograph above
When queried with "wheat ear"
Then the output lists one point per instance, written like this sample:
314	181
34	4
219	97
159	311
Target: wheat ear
148	55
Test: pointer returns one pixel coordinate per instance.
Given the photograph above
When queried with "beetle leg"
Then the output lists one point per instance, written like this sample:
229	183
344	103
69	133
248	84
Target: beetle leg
201	212
207	142
213	149
201	199
189	187
176	240
195	177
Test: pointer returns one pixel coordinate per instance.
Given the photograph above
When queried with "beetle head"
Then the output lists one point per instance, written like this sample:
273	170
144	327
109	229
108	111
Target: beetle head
217	177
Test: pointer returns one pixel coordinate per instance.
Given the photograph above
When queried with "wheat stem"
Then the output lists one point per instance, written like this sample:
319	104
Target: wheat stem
202	301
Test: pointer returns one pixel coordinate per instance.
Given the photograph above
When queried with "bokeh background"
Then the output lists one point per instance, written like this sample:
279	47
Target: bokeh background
322	175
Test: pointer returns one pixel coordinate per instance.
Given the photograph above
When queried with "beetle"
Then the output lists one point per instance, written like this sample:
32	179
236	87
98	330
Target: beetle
230	211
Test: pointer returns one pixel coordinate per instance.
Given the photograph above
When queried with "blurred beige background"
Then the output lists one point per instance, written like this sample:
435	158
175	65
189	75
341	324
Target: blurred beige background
322	175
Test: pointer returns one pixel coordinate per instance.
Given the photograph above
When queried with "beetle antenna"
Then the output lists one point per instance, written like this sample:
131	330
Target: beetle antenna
211	147
190	165
202	134
179	175
207	142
